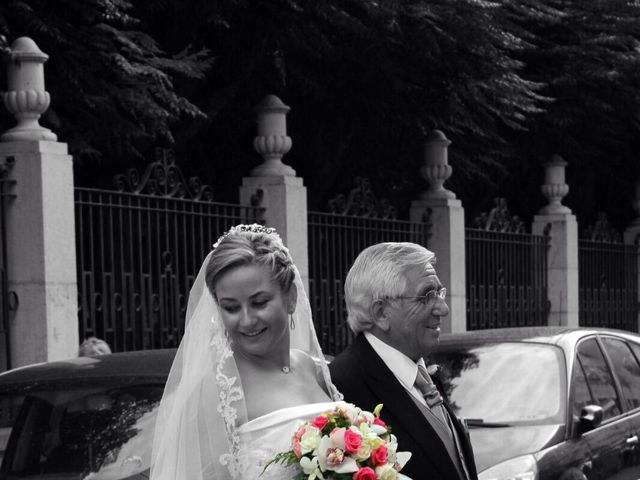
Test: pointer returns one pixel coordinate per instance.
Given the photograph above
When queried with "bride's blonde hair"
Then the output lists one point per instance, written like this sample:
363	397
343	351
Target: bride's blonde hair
239	248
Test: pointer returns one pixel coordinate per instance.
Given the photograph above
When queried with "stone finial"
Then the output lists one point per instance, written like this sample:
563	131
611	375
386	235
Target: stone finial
26	97
555	188
272	141
436	169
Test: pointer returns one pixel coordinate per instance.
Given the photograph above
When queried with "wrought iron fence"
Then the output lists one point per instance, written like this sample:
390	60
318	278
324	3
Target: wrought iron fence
138	253
608	284
506	273
335	240
8	300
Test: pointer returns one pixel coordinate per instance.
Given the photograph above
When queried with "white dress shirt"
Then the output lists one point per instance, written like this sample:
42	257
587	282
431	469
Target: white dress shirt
402	367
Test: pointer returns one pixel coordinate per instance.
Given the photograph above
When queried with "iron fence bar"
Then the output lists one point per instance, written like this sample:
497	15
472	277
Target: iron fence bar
608	284
506	284
138	256
4	277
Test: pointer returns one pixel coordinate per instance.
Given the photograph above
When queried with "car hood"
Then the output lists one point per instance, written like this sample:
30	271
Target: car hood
494	445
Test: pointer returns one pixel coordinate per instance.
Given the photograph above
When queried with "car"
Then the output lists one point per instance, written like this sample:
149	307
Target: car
86	417
546	403
541	403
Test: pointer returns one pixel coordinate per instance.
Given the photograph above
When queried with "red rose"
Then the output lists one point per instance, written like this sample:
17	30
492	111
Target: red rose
352	441
379	421
320	421
365	473
379	455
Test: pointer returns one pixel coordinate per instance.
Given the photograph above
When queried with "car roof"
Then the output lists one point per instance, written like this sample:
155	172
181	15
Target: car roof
148	366
552	335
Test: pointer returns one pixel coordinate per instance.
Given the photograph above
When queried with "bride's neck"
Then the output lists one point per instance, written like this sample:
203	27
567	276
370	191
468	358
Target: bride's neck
276	361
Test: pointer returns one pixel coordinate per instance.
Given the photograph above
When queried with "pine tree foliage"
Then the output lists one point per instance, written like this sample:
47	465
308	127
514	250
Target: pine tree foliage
587	55
112	86
366	82
510	82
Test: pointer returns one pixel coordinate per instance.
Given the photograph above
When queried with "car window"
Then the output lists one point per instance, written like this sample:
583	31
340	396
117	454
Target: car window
599	377
527	382
102	433
636	350
9	408
580	390
627	369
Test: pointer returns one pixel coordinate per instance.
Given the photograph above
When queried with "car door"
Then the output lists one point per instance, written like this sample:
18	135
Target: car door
626	369
607	443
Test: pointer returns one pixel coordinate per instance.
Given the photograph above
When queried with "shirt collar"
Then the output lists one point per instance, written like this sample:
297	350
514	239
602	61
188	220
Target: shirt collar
404	369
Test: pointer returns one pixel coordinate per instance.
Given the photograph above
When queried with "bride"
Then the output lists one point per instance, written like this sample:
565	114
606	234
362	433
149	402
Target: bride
248	370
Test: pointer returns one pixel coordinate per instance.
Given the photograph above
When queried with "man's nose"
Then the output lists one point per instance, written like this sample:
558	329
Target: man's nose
440	308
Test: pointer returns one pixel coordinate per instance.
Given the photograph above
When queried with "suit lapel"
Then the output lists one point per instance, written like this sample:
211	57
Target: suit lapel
465	440
398	402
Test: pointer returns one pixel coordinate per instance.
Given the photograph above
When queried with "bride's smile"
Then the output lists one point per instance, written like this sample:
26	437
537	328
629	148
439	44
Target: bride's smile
249	367
255	311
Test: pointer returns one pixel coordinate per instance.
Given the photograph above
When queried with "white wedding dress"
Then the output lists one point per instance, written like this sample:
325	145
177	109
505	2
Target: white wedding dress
202	432
265	436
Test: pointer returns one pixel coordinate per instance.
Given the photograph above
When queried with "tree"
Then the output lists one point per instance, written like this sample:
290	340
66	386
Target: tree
366	81
585	53
112	86
510	82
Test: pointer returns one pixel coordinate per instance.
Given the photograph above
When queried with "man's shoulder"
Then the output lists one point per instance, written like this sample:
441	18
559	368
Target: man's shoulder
345	357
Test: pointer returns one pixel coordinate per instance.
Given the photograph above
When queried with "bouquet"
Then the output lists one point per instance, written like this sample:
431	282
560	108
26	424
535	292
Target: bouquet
344	443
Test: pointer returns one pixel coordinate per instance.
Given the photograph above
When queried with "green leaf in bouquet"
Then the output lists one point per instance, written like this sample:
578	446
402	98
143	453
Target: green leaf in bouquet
286	458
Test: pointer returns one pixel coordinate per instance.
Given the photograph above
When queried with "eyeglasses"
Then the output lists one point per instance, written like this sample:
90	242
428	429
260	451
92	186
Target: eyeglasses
428	298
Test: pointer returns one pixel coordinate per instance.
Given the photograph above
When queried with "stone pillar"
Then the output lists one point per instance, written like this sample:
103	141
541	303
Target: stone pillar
562	258
632	235
40	225
283	195
446	215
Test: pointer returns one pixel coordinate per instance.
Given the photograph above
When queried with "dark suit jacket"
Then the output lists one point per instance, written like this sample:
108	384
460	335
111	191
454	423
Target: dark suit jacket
365	380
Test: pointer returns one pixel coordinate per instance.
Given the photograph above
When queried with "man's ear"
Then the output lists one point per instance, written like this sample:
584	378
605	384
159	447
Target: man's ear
292	298
379	314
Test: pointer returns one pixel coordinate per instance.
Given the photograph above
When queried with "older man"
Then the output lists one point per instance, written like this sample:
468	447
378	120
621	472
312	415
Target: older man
395	304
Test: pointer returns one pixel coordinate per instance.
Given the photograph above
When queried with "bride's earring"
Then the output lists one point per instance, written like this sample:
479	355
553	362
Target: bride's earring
292	324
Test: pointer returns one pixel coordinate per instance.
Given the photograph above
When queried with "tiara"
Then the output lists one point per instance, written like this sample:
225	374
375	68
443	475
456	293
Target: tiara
253	228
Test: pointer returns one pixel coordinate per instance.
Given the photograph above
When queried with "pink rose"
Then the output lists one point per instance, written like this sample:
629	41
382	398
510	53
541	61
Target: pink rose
295	441
365	473
379	455
300	431
352	441
379	421
320	421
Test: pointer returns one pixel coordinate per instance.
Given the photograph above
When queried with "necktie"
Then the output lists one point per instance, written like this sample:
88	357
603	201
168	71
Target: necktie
434	400
430	393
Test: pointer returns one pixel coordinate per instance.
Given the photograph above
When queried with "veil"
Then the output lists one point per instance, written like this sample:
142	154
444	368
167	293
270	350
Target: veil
196	435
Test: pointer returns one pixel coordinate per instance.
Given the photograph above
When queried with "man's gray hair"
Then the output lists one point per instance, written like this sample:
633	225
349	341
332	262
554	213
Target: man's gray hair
378	273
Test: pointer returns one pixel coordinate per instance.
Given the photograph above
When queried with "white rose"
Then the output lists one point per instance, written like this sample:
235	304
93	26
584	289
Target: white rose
310	439
363	452
386	472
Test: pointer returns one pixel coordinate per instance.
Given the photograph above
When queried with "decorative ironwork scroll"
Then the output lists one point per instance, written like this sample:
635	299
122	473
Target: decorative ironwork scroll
163	178
602	231
362	202
499	219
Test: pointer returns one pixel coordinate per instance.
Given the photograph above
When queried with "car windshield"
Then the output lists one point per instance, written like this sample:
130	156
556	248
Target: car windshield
88	433
504	384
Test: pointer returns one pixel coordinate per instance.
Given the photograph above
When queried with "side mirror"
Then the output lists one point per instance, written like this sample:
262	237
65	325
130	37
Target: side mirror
590	418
